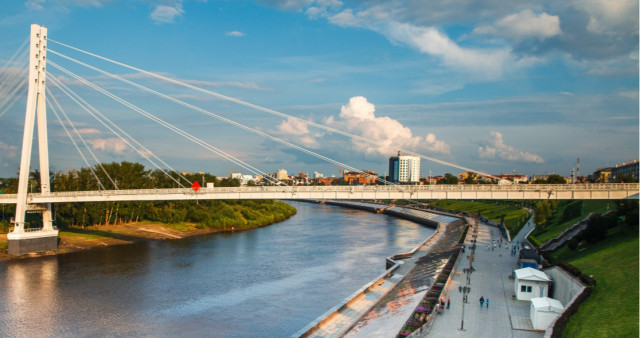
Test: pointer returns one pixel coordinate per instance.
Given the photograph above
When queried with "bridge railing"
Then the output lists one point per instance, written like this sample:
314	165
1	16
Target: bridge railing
346	188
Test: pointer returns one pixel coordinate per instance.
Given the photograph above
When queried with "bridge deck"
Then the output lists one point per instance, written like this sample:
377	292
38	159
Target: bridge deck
372	192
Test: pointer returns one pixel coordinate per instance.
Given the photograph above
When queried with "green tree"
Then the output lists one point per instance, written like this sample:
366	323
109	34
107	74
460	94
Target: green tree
448	179
543	212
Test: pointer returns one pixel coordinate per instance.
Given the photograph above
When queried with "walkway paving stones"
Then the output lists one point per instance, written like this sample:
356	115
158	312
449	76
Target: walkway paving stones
505	317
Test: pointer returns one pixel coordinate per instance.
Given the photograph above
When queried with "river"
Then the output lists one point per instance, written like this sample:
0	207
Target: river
270	281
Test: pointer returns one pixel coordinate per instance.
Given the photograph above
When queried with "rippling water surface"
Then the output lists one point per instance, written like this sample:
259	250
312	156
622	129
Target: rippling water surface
270	281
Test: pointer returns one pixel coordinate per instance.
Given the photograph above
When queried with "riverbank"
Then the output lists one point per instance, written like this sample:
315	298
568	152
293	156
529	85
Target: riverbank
74	239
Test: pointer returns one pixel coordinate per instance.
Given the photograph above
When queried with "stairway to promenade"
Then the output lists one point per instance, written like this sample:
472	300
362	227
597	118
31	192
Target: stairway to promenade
391	312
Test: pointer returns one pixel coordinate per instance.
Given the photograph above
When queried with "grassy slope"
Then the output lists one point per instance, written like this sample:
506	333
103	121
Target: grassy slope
554	227
514	215
612	308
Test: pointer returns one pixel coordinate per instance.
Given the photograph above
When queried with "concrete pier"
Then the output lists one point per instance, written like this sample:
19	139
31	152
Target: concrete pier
31	241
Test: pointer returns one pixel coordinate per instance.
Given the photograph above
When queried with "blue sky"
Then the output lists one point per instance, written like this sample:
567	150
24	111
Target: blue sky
493	85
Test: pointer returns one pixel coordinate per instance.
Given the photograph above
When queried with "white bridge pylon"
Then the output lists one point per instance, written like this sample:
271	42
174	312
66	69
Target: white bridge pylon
20	241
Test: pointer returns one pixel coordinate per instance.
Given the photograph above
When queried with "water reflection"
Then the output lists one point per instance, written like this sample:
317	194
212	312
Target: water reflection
270	281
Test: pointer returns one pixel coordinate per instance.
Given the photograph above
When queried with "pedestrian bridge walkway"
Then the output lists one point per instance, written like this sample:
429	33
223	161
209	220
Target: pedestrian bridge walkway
360	192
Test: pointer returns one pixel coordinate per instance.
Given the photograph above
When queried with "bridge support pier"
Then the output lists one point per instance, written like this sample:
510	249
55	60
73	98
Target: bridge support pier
34	241
23	240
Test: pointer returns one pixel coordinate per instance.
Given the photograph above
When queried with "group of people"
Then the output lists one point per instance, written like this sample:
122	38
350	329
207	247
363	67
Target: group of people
484	301
440	306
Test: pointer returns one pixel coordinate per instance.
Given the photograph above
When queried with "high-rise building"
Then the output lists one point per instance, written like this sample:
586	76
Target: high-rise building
404	169
282	174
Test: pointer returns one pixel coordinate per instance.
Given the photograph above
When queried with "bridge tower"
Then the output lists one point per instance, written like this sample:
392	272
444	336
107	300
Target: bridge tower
20	240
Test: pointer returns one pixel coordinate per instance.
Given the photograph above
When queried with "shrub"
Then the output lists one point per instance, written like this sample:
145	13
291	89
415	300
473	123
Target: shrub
573	243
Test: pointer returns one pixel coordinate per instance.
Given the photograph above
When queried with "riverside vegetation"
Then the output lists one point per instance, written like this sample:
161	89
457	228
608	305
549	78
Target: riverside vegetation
185	216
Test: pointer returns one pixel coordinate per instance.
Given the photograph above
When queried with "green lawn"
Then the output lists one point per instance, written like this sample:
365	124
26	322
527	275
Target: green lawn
515	216
612	308
555	225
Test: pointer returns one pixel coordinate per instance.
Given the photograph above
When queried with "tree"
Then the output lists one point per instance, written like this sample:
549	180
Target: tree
551	179
471	178
448	179
543	212
596	228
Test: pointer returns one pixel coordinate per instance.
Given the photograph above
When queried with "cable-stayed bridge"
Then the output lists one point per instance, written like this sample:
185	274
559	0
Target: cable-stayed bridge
35	50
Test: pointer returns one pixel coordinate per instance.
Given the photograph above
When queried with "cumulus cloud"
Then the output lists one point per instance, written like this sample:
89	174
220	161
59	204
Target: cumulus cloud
167	13
299	132
111	145
523	25
358	117
494	148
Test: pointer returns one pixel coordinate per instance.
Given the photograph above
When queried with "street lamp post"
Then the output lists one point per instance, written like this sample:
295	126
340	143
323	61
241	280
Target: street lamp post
465	290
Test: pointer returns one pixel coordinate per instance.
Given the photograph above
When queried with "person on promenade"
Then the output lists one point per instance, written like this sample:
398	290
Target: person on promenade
481	301
448	301
487	303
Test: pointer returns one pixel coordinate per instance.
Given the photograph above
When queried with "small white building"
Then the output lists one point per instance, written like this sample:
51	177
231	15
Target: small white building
543	311
531	283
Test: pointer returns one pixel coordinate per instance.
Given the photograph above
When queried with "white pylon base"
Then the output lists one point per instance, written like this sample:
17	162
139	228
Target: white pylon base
33	241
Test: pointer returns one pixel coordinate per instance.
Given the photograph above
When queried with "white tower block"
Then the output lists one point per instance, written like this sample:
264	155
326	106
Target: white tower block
36	106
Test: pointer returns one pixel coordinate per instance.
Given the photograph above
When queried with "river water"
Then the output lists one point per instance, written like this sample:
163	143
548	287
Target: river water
271	281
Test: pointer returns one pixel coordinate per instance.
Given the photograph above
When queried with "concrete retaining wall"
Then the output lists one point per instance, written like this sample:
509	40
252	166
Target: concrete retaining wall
565	286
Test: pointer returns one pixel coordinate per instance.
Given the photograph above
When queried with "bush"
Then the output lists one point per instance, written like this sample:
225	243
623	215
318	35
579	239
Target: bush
597	227
573	243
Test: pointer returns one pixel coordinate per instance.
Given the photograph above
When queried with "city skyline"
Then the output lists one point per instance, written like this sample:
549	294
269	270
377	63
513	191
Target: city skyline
495	87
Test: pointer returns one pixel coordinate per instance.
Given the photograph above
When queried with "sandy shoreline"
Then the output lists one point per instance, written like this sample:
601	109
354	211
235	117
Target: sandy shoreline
79	239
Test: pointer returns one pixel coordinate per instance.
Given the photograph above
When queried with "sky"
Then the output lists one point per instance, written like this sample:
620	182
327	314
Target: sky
493	85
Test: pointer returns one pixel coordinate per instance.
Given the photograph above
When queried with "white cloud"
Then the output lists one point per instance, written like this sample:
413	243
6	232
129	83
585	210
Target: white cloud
299	132
111	145
288	4
358	117
489	63
494	147
7	150
166	13
610	16
89	131
34	4
321	8
236	34
523	25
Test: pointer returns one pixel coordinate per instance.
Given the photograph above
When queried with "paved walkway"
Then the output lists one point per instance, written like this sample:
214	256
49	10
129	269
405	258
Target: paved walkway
505	317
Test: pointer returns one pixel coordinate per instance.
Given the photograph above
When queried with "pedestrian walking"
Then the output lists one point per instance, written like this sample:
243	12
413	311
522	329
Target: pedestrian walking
481	301
487	303
448	302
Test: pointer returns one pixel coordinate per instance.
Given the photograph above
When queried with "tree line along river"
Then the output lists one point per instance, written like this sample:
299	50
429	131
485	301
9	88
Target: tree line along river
270	281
